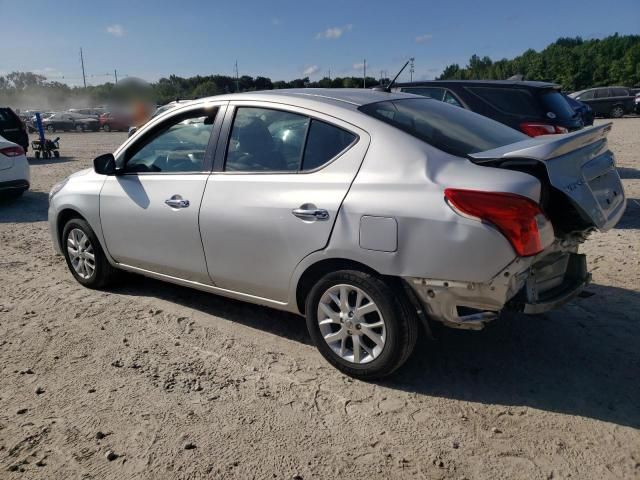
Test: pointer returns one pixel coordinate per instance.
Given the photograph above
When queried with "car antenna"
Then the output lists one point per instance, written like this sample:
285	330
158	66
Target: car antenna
388	87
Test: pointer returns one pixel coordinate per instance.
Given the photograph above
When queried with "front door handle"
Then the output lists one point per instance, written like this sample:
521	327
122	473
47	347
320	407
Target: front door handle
311	213
177	202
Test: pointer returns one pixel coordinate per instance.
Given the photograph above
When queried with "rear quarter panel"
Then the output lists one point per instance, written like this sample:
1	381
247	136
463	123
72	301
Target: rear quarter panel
404	178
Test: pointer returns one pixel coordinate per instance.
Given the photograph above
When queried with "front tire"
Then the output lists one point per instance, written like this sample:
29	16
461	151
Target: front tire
51	128
617	112
84	255
106	127
362	325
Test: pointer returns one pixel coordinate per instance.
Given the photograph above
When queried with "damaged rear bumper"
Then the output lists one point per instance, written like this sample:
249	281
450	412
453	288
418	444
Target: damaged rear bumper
529	285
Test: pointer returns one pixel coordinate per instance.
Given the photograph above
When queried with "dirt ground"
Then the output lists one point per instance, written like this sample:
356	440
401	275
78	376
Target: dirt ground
181	384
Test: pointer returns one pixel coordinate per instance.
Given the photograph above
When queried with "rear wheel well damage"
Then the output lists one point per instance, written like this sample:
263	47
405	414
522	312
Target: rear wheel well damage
316	271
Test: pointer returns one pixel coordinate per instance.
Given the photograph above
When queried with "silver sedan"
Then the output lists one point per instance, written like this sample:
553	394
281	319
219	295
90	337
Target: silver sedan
370	213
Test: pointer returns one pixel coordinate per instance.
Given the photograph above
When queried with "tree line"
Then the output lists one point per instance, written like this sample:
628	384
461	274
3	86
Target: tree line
30	90
574	63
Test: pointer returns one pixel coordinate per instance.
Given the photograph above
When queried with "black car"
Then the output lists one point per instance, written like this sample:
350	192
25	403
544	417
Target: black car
63	121
13	128
585	111
611	102
535	108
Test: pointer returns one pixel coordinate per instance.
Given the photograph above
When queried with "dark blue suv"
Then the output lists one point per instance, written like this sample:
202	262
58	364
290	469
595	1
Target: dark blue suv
535	108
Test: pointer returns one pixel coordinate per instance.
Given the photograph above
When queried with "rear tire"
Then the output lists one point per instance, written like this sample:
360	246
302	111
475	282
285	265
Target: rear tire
383	327
56	154
79	244
106	127
51	128
617	112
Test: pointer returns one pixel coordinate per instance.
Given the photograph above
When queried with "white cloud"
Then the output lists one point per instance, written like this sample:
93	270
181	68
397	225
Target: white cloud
116	30
358	66
333	33
424	38
311	70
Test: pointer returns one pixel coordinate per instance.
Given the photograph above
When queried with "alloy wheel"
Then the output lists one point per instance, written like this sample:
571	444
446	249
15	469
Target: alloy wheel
81	253
351	324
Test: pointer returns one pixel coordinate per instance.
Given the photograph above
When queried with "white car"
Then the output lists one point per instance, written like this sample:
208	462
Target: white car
14	169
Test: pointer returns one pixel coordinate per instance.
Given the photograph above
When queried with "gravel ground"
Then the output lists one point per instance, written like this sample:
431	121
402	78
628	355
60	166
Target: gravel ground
151	380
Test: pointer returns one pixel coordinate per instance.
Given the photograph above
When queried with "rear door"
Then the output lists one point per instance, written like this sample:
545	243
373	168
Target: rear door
149	212
274	195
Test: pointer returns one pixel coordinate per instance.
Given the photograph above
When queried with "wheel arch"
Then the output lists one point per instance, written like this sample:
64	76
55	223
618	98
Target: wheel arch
63	217
317	270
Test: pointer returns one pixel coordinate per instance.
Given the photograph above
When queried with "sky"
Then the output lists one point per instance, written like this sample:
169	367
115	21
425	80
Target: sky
287	39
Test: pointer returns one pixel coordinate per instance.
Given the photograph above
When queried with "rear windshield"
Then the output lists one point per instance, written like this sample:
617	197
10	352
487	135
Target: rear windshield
446	127
557	105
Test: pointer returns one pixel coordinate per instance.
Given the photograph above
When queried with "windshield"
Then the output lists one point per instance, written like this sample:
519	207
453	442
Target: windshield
446	127
556	104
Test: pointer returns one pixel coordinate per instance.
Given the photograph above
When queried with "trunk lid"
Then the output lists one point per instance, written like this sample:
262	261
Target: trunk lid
579	165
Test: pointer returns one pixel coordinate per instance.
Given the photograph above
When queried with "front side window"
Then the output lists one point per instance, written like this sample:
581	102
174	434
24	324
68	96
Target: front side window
178	147
450	99
588	95
453	130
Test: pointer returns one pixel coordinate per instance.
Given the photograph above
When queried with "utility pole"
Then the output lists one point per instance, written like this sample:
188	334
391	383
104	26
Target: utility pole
364	73
84	78
237	79
115	74
329	77
411	69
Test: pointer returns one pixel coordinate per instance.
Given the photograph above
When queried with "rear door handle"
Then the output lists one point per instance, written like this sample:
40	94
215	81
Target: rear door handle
311	213
177	202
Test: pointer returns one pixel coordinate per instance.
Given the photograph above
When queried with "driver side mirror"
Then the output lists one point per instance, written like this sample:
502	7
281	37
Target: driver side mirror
105	164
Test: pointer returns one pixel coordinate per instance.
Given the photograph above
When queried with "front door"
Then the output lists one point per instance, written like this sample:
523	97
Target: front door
275	197
149	212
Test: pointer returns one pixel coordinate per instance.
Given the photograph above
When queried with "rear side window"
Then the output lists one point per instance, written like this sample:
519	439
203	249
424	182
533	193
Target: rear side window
267	140
513	101
454	130
557	106
619	92
602	93
323	143
431	92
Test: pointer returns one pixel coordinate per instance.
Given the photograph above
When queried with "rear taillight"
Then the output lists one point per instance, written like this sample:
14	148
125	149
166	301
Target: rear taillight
515	216
12	151
534	129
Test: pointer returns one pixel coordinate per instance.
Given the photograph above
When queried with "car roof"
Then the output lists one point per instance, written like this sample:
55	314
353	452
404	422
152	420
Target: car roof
350	98
499	83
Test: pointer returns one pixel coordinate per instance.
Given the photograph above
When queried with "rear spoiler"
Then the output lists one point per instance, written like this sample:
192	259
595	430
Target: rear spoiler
545	147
